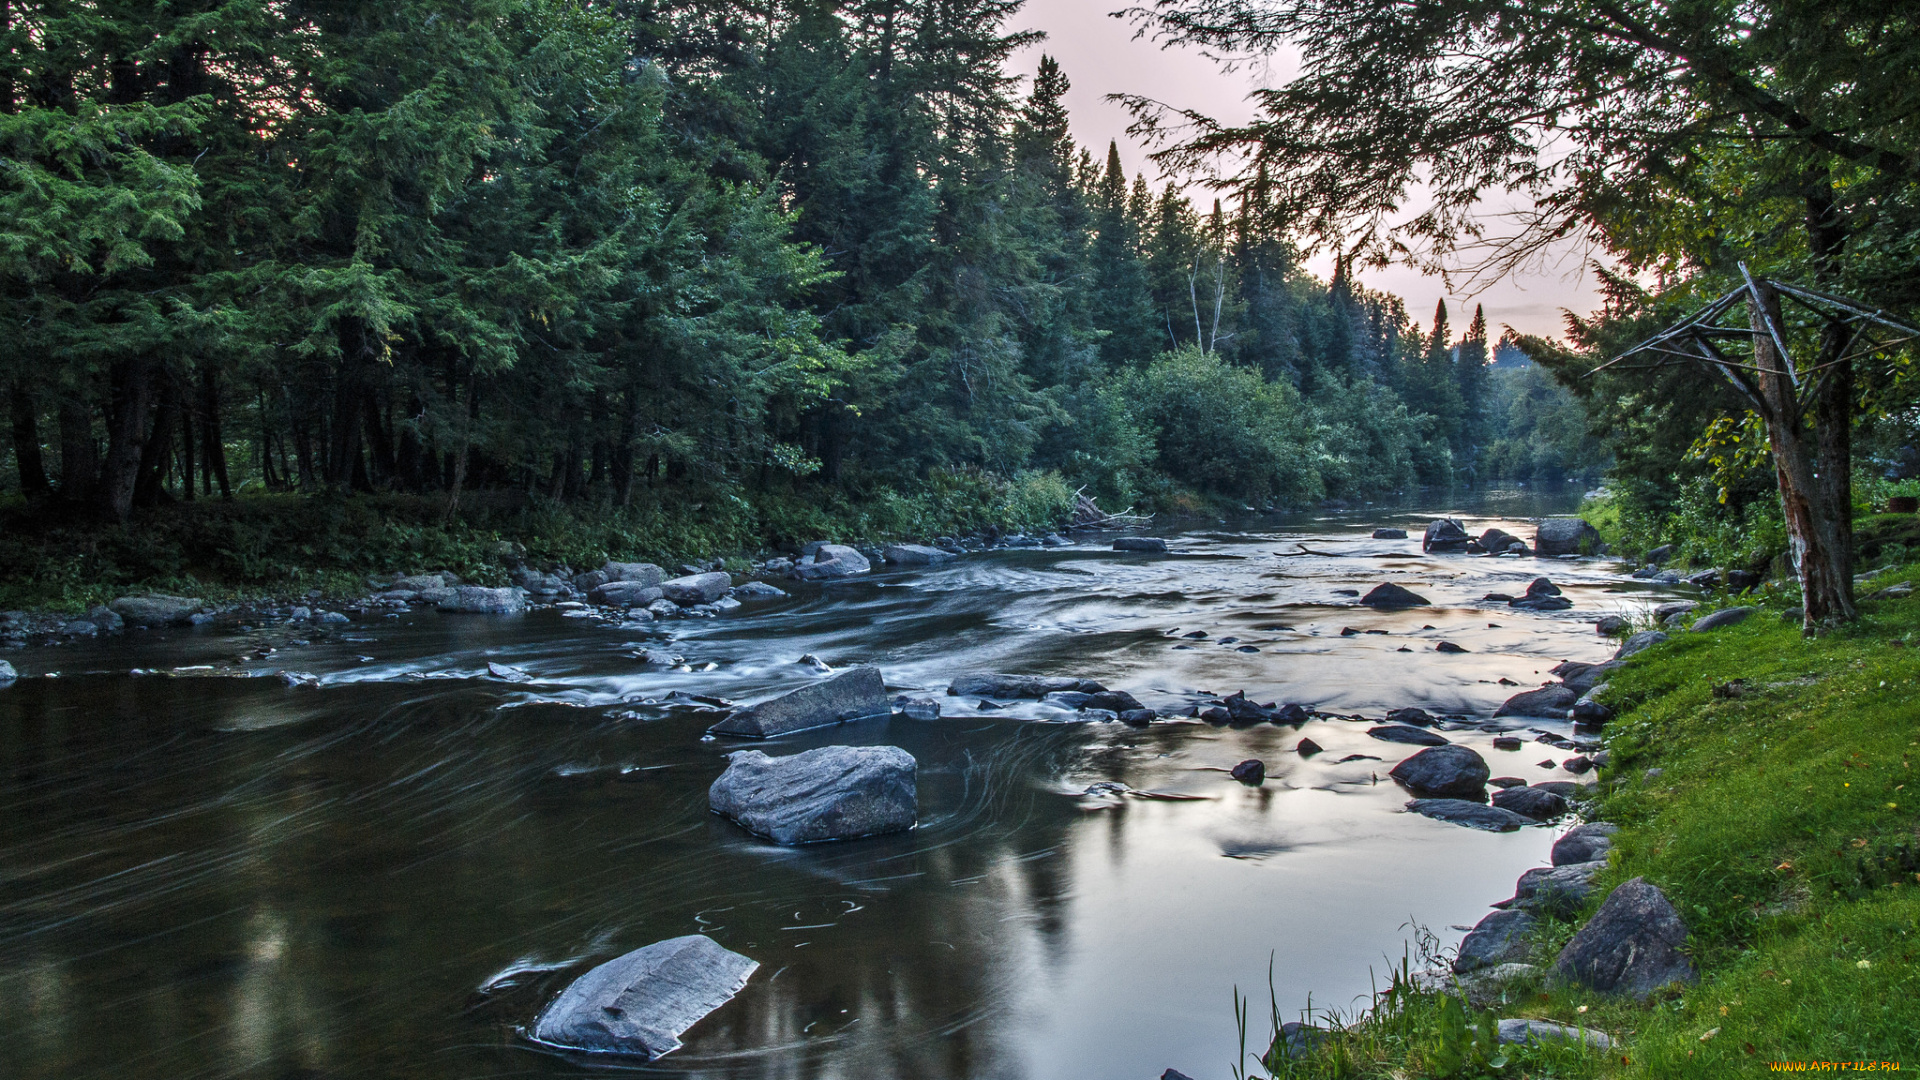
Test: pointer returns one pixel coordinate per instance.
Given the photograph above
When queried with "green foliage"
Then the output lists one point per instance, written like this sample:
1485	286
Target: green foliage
1225	430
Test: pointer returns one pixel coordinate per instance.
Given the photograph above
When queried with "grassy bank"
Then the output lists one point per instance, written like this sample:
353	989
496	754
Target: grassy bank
265	544
1782	825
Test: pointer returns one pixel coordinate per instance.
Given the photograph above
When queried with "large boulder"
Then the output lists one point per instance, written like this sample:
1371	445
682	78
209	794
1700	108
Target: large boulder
696	588
1499	541
854	693
1546	702
640	1003
1445	534
1723	617
914	555
1448	771
832	561
1631	946
1389	595
1407	734
1500	938
832	793
1151	544
1558	890
625	593
1584	843
157	609
988	684
1640	642
1471	814
1531	802
479	600
1567	536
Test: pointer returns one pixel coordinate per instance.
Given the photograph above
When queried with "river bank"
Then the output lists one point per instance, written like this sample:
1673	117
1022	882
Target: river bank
1764	782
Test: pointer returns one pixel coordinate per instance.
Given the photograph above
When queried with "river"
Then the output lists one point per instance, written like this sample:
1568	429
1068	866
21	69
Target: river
204	874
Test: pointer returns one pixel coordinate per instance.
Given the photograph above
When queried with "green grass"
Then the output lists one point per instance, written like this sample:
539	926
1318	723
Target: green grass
1782	826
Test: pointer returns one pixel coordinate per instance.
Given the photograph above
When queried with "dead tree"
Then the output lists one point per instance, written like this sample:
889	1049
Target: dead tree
1807	409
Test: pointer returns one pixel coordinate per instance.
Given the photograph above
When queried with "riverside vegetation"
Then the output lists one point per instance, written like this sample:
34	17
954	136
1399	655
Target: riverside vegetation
1766	783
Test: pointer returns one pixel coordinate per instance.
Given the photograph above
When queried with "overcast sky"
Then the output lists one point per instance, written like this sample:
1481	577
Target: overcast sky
1100	57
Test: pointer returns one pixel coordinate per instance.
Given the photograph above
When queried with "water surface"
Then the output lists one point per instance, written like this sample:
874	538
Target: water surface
206	874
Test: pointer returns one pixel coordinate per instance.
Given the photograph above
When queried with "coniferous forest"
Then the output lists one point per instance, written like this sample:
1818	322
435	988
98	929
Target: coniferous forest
633	256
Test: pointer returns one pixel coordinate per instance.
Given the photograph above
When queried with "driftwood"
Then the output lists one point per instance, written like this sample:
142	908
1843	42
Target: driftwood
1087	515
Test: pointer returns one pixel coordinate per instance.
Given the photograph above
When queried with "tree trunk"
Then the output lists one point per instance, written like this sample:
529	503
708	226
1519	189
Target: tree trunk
1818	528
156	454
130	403
79	457
26	445
213	455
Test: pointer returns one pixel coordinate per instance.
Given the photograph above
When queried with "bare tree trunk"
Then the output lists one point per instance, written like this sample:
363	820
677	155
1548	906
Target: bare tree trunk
213	454
79	457
1818	528
129	406
26	444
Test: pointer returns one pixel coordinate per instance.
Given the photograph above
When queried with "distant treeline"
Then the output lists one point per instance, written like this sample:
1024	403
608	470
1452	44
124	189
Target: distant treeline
610	251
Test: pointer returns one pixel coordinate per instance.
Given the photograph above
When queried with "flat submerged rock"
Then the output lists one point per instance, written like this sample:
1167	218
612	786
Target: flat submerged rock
832	793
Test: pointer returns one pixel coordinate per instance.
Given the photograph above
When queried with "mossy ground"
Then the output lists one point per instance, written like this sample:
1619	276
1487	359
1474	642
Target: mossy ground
1782	825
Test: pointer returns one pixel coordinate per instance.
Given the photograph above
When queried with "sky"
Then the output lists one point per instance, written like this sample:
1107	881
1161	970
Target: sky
1100	56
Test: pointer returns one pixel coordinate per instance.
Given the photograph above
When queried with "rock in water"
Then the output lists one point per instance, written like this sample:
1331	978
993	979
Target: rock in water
1631	946
1500	938
475	600
507	672
640	1003
1140	543
1471	814
1402	733
1532	802
1610	625
156	609
1390	595
1445	534
1723	617
1411	716
1547	702
914	555
1567	536
832	561
854	693
625	594
696	588
1452	771
1584	843
987	684
920	709
1389	534
1250	771
833	793
7	674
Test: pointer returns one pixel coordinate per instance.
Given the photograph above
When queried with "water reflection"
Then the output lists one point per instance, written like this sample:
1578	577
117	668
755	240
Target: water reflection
207	874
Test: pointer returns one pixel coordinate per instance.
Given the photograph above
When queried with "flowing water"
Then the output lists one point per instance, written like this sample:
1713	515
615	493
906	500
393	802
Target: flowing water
210	875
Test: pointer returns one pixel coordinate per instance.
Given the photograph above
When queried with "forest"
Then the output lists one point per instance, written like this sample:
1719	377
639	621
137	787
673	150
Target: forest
629	256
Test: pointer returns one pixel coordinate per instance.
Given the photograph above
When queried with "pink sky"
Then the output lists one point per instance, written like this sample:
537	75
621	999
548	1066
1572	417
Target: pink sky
1101	57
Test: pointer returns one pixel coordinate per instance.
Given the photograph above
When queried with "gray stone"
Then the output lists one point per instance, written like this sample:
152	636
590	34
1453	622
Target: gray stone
1448	771
106	619
1584	843
657	657
662	608
1548	701
1541	603
1557	890
1488	987
1532	802
539	584
157	609
435	596
1640	642
1115	701
854	693
1522	1030
1471	814
1140	543
1678	607
1585	678
1610	625
508	672
331	618
1298	1039
1589	710
987	684
299	680
1407	734
642	1002
302	613
79	628
1500	938
1389	534
645	573
832	561
477	600
1445	534
832	793
913	555
1567	536
1389	595
418	583
696	588
1631	946
1250	771
920	709
1723	617
1660	554
7	674
757	590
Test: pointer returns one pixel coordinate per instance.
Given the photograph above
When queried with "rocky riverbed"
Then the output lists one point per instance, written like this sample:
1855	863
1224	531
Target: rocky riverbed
388	828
